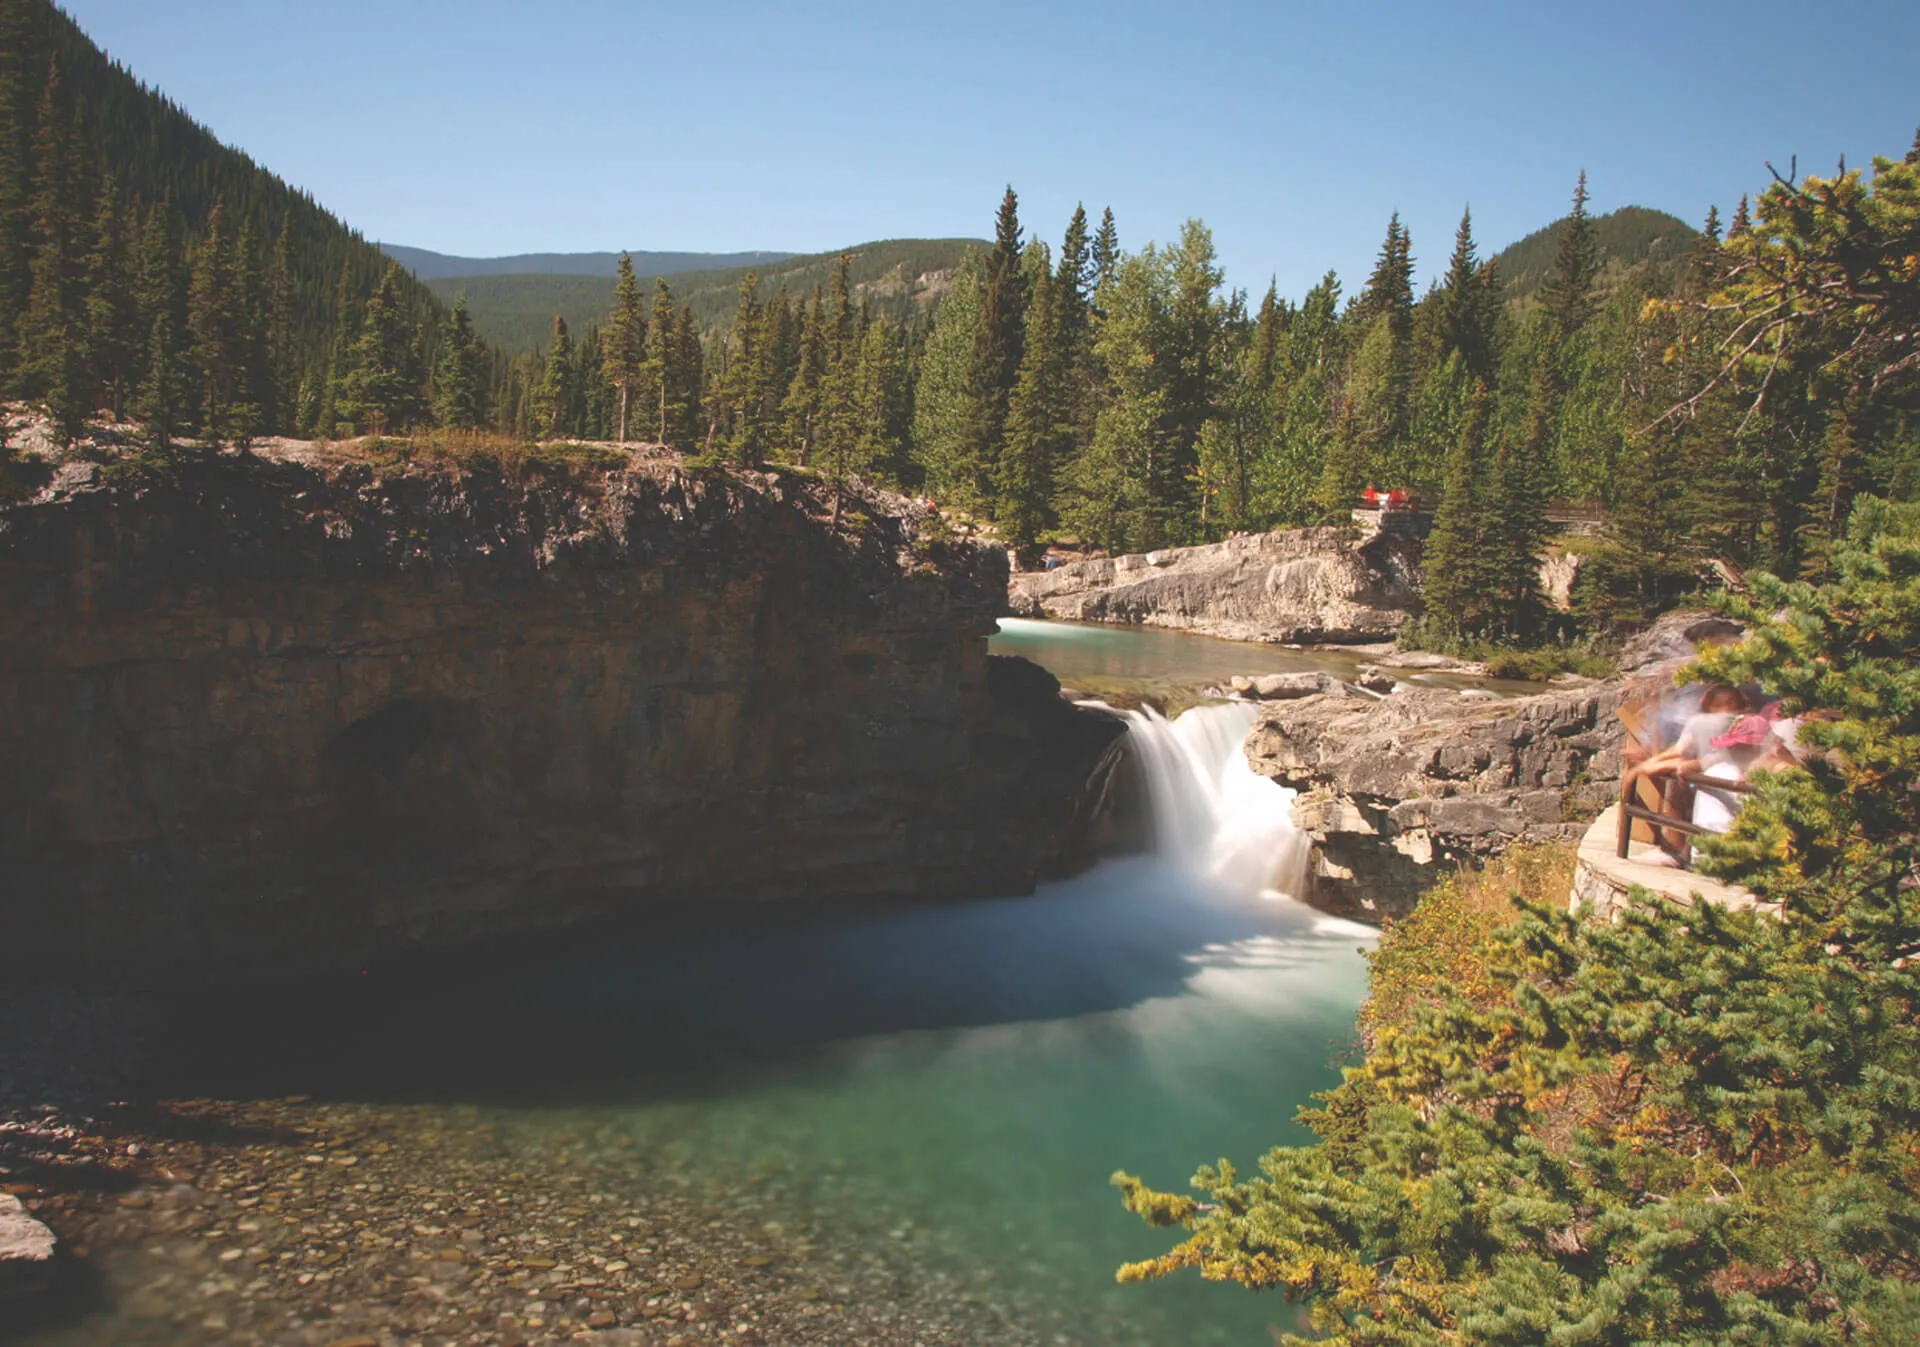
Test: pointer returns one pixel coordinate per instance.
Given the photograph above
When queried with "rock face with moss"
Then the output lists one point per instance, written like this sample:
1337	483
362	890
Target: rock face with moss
1299	585
277	713
1390	789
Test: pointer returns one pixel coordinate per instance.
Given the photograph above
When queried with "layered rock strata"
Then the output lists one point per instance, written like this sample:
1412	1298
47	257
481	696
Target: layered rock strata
1392	788
274	713
1297	586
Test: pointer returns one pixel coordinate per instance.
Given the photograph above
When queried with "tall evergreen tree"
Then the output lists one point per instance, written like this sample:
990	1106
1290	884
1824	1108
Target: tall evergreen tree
384	387
997	341
1515	516
54	363
1468	305
20	53
942	405
684	399
113	314
459	378
1106	251
745	383
216	320
1023	475
625	346
1458	582
1567	293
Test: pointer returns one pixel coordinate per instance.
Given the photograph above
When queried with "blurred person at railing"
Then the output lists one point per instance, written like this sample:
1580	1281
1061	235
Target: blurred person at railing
1723	739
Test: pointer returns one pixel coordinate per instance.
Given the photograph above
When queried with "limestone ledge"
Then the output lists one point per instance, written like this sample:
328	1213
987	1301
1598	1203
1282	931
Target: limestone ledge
271	713
1294	586
1392	788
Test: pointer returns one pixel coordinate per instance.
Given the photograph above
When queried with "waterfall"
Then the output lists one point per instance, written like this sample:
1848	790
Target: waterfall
1212	813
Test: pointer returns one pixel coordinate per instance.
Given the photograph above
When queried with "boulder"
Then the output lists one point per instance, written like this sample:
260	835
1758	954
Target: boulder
26	1251
1676	636
1284	686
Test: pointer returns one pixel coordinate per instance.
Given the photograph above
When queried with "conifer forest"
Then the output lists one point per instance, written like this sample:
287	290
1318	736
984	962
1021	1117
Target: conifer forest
1123	398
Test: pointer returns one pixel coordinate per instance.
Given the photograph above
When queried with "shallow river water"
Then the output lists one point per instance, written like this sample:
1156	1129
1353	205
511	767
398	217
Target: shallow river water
952	1085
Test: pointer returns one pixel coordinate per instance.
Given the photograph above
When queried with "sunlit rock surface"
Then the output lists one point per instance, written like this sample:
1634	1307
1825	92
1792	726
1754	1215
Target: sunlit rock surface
1299	585
296	713
1390	788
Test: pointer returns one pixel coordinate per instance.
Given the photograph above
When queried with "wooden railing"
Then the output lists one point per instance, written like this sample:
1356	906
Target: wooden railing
1632	811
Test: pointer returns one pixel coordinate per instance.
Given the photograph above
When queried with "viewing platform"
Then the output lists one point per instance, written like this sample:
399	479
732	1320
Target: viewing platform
1604	878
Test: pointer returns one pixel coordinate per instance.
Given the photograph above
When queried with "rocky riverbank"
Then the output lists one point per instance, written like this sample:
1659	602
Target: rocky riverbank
1332	585
1391	787
312	706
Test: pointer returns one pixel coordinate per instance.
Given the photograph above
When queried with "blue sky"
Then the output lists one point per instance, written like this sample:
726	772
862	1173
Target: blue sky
496	126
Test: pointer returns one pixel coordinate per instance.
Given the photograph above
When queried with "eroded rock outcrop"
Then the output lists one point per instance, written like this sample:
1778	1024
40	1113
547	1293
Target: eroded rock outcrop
1300	585
269	714
1390	788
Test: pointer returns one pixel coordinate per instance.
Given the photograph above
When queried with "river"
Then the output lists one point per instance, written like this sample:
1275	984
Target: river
945	1089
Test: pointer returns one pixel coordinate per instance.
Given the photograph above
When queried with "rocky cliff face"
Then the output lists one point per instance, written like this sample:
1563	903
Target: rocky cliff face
1300	585
273	714
1391	788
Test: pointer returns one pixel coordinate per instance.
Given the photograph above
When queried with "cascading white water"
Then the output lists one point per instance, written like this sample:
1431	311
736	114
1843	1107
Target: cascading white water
1212	813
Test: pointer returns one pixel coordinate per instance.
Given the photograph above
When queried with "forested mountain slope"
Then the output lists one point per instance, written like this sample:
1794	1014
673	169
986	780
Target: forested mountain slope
126	228
429	265
897	277
1622	240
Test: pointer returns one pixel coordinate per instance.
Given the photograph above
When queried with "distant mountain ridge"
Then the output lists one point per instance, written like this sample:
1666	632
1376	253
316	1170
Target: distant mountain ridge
431	266
515	311
1630	237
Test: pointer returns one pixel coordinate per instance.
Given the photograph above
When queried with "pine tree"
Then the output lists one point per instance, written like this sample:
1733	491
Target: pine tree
113	314
164	391
1469	306
553	397
997	341
283	335
1515	515
458	381
942	435
663	361
1343	471
19	55
801	406
160	299
384	387
742	410
1106	252
625	347
1023	476
883	402
54	363
1742	220
683	400
1567	294
216	321
1457	568
1840	473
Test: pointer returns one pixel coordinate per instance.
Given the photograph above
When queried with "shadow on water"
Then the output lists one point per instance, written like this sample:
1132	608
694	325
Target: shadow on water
627	1015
